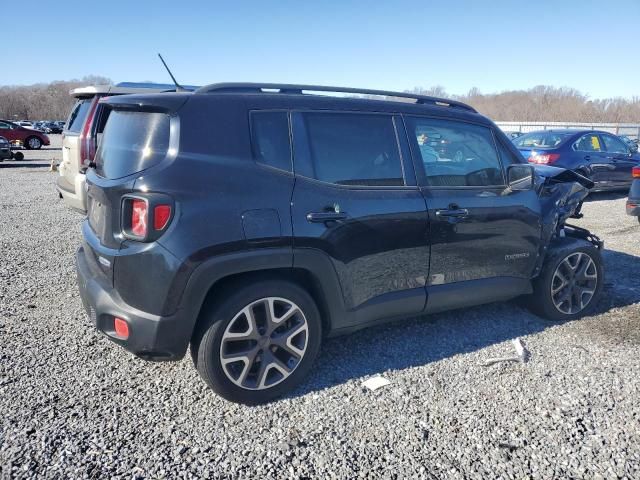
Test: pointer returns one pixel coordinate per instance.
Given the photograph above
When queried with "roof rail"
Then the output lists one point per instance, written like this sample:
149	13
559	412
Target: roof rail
300	89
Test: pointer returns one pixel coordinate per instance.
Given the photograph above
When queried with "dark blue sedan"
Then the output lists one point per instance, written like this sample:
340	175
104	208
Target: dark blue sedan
600	156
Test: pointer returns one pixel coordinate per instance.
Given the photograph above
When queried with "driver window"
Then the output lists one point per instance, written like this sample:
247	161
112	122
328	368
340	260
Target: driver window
4	126
614	145
455	154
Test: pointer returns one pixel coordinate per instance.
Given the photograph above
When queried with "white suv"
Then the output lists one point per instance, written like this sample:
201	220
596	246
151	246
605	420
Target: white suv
83	131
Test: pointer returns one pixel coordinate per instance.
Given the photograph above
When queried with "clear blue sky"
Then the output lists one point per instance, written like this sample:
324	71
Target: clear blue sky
494	45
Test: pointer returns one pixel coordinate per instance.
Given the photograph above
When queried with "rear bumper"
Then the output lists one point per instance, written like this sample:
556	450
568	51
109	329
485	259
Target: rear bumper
74	195
633	207
151	337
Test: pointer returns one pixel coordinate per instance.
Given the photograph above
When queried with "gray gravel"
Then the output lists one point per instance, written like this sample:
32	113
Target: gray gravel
74	405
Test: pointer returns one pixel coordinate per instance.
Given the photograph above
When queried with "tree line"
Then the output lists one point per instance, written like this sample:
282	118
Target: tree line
42	101
51	101
546	104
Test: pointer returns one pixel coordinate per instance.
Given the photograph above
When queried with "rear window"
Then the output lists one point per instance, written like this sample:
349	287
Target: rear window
132	142
78	115
540	140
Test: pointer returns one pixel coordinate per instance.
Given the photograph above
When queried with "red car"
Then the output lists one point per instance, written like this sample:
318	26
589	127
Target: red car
30	138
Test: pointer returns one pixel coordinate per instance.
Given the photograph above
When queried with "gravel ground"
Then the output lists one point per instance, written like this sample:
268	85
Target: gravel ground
74	405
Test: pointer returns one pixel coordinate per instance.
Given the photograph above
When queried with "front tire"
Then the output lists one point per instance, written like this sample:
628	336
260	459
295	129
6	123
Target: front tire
570	283
18	156
258	343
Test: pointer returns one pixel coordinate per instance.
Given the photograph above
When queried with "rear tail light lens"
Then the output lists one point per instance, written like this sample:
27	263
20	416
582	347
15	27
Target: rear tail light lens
635	172
543	158
145	218
139	217
161	216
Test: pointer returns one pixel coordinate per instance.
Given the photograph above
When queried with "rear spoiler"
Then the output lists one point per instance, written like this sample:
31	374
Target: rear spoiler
163	103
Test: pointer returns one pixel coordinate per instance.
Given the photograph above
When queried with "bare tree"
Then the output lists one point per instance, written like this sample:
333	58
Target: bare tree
42	101
546	104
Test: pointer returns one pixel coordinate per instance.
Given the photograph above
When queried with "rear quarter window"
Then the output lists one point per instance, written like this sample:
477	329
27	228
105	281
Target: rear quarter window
132	142
78	115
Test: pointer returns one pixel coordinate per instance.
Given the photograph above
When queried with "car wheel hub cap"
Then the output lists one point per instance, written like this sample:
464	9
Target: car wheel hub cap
574	283
264	343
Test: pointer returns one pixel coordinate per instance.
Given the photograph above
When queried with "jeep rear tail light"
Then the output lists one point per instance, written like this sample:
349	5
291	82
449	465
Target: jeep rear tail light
543	158
139	217
635	172
161	216
146	217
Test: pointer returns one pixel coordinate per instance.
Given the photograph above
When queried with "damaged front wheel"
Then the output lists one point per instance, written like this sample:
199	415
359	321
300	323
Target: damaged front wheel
569	284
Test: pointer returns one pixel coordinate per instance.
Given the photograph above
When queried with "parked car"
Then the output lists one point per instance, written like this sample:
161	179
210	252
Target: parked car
633	202
53	127
513	135
24	123
83	130
206	227
600	156
5	149
31	139
6	152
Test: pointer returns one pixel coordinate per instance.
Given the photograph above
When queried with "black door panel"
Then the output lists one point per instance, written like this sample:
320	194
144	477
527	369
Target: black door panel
496	235
351	201
379	246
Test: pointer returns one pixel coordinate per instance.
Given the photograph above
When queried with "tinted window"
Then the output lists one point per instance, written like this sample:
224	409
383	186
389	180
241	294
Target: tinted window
353	149
614	144
270	139
507	157
78	115
5	126
540	140
588	143
455	154
132	142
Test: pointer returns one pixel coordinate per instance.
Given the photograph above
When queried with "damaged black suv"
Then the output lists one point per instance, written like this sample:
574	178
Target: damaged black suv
249	221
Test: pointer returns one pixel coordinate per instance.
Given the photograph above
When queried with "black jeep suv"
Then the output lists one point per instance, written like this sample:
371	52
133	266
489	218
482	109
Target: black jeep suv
250	221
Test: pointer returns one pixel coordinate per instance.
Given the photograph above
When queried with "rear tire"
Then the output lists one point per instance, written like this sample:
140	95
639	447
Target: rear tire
18	156
33	143
248	355
570	283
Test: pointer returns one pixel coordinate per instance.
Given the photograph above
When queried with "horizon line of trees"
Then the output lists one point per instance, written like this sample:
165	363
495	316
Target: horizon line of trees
51	101
545	103
42	101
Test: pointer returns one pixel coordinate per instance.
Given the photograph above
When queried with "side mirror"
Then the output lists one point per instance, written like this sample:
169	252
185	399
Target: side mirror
520	177
634	148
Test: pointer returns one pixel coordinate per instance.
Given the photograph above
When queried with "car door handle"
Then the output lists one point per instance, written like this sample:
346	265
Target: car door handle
587	157
321	217
457	212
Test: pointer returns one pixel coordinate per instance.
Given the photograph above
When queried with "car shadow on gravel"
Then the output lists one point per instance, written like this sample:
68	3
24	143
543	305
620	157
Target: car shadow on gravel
24	165
601	196
419	341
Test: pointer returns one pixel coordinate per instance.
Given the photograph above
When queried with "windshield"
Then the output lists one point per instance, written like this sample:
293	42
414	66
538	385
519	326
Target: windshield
132	142
540	140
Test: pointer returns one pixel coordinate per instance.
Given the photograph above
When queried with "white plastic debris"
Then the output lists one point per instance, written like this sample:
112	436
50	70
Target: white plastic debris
374	383
522	355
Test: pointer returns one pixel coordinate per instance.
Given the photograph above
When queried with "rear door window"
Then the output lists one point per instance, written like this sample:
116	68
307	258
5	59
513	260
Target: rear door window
270	139
132	142
351	149
588	143
454	154
79	115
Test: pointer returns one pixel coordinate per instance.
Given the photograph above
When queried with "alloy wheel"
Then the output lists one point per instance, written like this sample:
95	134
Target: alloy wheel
264	343
574	283
34	142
